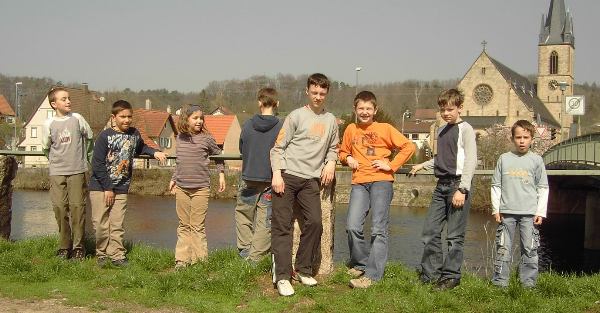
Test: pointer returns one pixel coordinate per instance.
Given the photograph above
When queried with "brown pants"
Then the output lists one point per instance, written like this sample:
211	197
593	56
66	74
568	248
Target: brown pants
306	193
108	224
68	201
191	206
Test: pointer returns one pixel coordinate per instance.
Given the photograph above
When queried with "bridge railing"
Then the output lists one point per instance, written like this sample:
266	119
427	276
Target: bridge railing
583	150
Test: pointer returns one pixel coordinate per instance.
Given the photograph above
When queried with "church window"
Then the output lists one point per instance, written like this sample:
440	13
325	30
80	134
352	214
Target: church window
467	112
497	112
517	112
483	94
483	71
553	62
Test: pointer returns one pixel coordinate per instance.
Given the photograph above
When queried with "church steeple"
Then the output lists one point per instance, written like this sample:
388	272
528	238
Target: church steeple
558	27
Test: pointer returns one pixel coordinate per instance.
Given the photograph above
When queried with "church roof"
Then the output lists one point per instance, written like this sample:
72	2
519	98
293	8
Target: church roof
557	27
526	91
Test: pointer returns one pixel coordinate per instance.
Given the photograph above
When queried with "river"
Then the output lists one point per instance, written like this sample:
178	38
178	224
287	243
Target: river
153	221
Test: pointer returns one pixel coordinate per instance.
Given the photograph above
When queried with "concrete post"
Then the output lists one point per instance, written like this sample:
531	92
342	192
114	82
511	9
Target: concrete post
8	171
591	240
323	263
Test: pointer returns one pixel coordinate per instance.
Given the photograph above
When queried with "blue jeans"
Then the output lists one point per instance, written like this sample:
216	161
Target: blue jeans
530	241
441	211
375	196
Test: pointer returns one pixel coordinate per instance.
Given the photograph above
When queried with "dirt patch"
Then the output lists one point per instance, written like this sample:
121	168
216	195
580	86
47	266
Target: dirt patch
59	306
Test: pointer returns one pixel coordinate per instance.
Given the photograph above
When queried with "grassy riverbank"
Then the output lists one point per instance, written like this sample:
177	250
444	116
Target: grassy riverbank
225	283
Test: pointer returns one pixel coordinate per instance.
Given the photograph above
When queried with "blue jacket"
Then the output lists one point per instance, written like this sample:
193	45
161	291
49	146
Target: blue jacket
256	140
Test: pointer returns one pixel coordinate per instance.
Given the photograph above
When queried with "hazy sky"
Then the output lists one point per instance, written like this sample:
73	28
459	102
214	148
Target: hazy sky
183	45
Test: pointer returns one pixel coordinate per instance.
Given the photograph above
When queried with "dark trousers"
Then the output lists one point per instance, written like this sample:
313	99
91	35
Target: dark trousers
304	192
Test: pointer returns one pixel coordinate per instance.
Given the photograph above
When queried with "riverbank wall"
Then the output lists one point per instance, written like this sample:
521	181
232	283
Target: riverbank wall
408	191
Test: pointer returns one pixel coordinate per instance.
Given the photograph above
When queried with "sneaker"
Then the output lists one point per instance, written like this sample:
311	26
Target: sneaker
179	265
120	263
363	282
78	255
446	284
102	261
354	272
62	254
284	287
306	280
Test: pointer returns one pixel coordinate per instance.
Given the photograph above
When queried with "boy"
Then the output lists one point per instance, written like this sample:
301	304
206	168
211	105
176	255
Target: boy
519	197
304	152
253	209
66	142
112	162
366	148
454	165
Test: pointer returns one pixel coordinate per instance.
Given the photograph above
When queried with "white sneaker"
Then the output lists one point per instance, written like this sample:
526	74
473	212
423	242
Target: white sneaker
284	287
306	280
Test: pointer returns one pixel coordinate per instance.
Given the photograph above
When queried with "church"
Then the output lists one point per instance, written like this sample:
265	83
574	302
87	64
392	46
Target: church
496	94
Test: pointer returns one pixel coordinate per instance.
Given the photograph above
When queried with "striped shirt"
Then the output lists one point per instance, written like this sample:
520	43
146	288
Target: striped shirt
192	154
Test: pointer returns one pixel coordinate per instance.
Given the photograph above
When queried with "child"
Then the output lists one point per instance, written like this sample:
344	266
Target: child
454	165
366	148
67	142
519	199
191	185
114	151
253	209
304	152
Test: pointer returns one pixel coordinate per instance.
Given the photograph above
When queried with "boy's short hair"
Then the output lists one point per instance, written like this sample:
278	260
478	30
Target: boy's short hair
365	96
526	125
318	79
119	106
52	94
183	126
452	97
267	97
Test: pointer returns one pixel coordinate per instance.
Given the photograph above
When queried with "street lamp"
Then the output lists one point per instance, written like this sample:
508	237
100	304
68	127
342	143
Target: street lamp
357	69
406	114
563	86
17	105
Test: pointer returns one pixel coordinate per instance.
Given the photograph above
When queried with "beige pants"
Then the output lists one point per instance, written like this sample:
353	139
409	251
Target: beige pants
68	201
253	219
191	206
108	224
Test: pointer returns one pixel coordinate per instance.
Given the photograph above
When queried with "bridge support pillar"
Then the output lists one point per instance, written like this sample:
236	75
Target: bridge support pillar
8	171
592	221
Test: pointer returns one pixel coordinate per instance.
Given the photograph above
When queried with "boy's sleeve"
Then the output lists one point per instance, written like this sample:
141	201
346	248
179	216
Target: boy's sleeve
334	142
88	134
99	168
46	139
346	146
470	157
283	139
496	190
142	147
213	149
543	189
407	148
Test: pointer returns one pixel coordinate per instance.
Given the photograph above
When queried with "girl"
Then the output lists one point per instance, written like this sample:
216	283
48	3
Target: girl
191	185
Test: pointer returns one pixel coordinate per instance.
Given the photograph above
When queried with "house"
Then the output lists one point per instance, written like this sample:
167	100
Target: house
496	94
418	128
7	114
221	110
83	101
158	131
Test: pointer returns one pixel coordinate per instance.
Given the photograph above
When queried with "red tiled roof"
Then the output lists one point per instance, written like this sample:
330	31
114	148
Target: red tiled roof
218	126
150	123
5	108
412	127
425	114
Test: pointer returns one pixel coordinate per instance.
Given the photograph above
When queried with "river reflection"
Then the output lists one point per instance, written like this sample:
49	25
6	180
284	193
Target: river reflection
153	221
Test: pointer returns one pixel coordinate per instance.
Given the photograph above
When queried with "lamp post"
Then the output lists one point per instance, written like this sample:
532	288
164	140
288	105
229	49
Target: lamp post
357	69
563	86
17	105
406	114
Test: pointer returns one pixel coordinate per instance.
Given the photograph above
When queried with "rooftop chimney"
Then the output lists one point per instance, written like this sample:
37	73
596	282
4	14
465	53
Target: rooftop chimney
148	104
84	86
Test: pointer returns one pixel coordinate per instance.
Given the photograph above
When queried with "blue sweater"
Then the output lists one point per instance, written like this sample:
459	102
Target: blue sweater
256	140
112	163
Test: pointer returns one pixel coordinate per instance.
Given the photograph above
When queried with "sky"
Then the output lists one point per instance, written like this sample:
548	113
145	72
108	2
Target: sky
183	45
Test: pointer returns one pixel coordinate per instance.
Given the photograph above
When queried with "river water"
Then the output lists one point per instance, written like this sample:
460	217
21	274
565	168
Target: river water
153	221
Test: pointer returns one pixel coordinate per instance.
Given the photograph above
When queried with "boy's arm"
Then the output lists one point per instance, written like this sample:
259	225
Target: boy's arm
346	146
87	133
213	149
328	172
496	190
407	148
46	139
99	168
542	189
283	139
470	158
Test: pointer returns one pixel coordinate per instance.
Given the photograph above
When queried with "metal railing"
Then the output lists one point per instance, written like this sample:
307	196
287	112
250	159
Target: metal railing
582	150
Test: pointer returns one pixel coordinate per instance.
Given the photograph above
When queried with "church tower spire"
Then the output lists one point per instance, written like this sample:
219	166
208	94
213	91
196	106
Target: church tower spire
558	26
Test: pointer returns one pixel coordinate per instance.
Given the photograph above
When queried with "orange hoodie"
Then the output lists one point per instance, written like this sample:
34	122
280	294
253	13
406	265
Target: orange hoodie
367	143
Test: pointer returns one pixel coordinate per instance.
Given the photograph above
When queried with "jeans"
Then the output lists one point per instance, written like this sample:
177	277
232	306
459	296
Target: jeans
530	241
441	211
374	197
253	219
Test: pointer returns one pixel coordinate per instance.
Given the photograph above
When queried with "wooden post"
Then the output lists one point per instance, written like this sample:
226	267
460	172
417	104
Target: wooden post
324	262
8	171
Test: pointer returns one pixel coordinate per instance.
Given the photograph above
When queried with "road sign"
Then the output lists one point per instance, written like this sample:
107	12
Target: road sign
575	105
541	130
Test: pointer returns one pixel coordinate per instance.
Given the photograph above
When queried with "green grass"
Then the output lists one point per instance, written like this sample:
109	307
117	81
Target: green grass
225	283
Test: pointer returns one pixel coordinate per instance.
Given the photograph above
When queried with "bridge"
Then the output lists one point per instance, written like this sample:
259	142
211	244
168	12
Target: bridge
574	176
